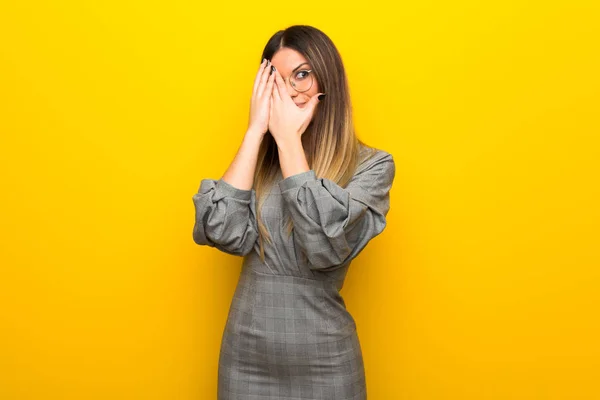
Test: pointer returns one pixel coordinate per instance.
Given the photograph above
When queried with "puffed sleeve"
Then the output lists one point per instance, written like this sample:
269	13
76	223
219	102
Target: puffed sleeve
332	225
225	217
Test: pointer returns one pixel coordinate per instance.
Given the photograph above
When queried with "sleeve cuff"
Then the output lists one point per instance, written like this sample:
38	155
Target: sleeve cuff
224	189
297	180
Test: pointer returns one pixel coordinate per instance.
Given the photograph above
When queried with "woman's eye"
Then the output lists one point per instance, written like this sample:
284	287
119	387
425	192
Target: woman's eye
302	74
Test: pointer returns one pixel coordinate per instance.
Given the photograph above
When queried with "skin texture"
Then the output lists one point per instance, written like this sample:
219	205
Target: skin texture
260	104
285	60
290	112
277	107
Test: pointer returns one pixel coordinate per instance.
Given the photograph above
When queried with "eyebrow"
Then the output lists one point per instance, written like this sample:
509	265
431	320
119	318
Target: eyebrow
294	70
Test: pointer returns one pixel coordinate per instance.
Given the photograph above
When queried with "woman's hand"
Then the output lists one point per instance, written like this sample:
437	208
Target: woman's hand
260	104
287	120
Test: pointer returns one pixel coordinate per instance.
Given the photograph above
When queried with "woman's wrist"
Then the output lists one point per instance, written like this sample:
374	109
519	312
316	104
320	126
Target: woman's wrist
289	143
292	158
254	133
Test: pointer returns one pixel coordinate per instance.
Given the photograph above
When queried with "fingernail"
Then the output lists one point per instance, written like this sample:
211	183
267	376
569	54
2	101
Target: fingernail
272	69
321	96
263	61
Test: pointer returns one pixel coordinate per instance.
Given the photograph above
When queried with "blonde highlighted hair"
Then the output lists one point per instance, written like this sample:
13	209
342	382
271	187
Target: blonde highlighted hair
332	150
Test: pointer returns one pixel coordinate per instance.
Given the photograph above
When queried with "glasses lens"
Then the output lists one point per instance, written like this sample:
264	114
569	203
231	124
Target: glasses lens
302	80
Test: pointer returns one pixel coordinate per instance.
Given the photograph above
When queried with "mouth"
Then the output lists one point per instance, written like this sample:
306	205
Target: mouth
300	105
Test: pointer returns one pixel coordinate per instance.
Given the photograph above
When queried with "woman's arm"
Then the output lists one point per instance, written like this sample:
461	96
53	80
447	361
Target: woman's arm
240	172
332	225
225	208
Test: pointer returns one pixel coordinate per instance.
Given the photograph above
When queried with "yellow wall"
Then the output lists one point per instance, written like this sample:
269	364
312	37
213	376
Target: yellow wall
485	285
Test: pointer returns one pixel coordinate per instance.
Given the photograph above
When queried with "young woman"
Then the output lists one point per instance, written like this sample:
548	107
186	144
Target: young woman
301	199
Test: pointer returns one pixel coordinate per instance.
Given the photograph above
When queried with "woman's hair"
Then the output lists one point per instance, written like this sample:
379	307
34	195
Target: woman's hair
332	149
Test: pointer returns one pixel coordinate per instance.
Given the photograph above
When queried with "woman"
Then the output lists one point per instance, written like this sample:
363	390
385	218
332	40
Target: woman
302	197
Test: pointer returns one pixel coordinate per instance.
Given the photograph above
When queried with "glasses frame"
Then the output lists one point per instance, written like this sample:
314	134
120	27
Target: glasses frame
312	80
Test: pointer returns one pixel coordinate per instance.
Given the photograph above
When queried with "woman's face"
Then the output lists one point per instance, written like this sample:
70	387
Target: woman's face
289	63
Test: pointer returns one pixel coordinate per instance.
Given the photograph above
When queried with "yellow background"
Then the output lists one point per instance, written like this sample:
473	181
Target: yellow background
484	285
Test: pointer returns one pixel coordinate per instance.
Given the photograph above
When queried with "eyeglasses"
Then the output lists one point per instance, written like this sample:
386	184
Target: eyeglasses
301	80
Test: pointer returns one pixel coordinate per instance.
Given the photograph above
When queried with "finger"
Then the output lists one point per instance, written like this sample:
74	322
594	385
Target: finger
258	74
283	93
278	84
270	83
271	110
263	80
310	106
275	93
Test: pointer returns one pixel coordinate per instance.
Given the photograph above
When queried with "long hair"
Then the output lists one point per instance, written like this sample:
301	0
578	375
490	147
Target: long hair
332	149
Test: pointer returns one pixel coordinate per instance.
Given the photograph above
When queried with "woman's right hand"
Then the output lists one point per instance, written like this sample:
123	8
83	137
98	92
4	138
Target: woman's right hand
260	104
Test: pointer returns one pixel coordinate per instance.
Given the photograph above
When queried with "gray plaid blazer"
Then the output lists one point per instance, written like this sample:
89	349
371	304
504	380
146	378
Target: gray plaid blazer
288	333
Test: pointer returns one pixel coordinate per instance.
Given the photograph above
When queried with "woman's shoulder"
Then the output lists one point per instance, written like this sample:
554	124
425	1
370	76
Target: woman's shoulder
369	155
376	170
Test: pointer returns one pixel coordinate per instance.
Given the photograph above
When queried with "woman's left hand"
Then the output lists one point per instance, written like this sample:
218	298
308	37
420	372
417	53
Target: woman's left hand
287	120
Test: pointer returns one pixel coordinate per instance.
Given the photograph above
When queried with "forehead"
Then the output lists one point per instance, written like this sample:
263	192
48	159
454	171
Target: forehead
285	60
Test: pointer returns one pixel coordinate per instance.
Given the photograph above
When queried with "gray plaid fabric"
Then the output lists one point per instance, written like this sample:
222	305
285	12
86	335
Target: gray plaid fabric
288	333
